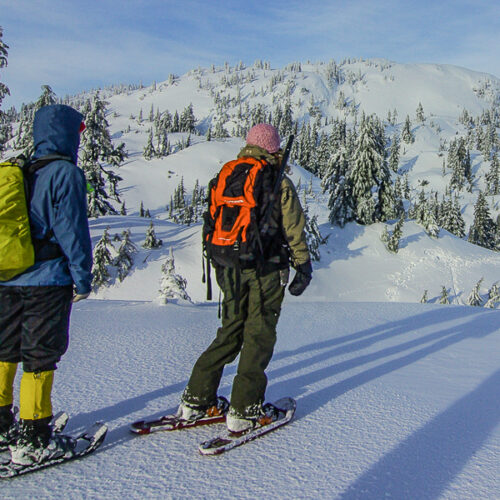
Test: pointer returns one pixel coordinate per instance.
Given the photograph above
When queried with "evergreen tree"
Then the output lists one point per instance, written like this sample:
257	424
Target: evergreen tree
125	258
47	98
474	298
187	120
149	150
97	148
394	153
151	240
172	285
313	235
493	296
101	260
429	222
444	296
372	193
482	231
493	176
460	163
420	113
395	238
424	298
385	236
406	134
4	90
451	217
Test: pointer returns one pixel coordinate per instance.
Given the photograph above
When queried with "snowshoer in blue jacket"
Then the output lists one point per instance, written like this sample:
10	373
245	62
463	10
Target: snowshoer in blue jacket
35	306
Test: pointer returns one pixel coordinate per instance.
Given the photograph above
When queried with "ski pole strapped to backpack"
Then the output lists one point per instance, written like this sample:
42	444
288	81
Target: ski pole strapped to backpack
16	249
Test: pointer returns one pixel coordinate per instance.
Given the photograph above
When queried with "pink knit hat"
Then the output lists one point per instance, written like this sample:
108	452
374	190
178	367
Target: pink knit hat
265	136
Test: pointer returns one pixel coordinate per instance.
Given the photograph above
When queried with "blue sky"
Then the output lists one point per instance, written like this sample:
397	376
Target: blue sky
75	45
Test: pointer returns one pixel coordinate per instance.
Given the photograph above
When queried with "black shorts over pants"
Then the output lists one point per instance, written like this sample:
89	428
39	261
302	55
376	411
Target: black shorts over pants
34	325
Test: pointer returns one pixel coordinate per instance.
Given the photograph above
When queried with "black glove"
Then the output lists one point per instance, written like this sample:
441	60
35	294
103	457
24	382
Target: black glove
302	278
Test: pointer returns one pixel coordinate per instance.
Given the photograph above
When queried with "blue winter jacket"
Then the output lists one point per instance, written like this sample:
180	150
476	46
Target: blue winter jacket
58	203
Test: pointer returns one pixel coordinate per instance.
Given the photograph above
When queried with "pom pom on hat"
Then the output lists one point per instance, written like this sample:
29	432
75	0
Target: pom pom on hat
264	136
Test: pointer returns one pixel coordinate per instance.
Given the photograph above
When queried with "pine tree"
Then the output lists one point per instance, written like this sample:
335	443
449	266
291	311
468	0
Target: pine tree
394	153
395	238
451	217
444	296
149	150
125	258
172	285
493	176
47	98
429	222
96	148
372	194
151	240
420	113
474	298
4	90
482	231
313	235
424	298
101	260
406	134
187	120
493	296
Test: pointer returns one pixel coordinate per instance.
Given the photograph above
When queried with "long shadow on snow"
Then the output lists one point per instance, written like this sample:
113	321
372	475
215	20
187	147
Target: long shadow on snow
436	341
364	338
122	433
427	461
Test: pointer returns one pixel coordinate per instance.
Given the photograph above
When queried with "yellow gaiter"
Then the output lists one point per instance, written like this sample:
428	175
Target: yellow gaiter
35	397
7	376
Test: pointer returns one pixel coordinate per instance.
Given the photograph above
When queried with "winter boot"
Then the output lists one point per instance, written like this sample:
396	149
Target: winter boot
256	416
190	412
8	426
36	443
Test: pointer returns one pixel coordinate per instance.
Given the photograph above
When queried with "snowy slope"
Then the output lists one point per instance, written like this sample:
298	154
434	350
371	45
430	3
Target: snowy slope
394	401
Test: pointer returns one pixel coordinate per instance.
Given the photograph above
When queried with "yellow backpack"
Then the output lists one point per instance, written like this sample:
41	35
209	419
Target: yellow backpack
16	248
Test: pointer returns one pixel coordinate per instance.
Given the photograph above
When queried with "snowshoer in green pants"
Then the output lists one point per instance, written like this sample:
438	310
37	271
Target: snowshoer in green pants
251	306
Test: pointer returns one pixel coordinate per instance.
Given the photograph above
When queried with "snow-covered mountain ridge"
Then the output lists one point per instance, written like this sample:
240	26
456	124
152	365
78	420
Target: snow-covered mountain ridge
354	264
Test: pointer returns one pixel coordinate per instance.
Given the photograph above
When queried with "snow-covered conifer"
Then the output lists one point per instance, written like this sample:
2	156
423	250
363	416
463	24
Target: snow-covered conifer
444	296
125	258
101	260
395	238
149	150
151	240
475	298
406	134
493	296
482	231
172	285
424	298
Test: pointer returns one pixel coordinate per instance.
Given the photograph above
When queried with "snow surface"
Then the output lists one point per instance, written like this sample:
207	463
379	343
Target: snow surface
396	399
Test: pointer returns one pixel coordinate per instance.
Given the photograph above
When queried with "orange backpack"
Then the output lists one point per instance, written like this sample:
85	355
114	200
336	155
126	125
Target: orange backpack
238	199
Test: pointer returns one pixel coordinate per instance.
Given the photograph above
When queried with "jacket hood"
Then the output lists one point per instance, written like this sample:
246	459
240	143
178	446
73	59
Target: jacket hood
56	130
257	152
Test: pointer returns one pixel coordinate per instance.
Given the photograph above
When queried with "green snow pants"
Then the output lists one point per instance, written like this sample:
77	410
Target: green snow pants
251	333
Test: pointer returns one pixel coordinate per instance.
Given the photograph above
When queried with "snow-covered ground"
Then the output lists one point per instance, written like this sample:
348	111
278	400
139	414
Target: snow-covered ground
394	401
